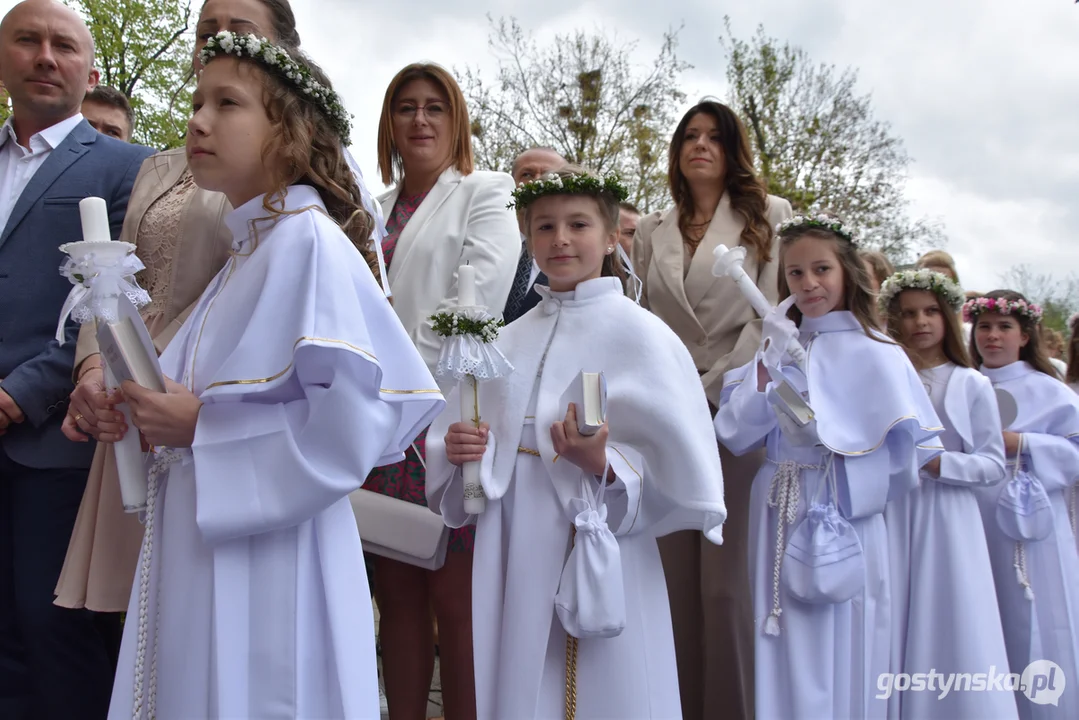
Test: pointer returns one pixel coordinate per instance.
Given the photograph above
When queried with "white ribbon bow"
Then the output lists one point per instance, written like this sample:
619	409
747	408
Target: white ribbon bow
95	284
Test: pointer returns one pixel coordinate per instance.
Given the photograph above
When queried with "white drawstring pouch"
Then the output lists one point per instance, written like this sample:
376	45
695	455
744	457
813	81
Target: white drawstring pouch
823	562
591	599
1023	510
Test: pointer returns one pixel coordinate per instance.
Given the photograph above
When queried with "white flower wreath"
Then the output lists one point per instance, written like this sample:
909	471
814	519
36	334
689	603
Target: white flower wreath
277	61
941	285
824	222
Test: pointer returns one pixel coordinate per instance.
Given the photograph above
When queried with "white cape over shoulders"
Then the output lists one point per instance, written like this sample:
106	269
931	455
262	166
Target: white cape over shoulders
663	451
827	656
258	600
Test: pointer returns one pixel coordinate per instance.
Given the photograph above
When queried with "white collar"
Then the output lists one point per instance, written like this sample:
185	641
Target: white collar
1011	371
50	136
835	321
239	221
585	290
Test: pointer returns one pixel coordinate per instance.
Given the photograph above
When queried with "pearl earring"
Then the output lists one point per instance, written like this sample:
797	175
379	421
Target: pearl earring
610	250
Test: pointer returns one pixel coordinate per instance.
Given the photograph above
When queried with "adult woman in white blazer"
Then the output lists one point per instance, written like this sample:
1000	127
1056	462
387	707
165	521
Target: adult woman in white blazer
440	215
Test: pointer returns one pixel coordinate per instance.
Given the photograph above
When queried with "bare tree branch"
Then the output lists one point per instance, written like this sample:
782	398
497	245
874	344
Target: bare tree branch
581	95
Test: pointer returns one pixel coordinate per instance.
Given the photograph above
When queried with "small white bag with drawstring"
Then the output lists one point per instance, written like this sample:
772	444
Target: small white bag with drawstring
591	599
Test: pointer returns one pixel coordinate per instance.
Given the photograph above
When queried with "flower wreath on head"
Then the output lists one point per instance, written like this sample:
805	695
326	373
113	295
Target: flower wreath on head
824	222
975	307
277	61
576	184
937	283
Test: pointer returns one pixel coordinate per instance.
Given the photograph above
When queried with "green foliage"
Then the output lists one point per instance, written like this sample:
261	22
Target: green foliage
818	144
580	95
447	324
5	105
144	49
1058	298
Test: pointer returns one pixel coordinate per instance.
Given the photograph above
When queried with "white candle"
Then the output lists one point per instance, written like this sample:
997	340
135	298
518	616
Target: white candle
95	220
466	286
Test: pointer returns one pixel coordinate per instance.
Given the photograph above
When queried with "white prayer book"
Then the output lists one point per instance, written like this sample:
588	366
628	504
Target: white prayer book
792	404
588	393
128	350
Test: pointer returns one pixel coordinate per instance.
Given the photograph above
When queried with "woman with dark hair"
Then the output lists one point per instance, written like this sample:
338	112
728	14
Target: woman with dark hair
719	200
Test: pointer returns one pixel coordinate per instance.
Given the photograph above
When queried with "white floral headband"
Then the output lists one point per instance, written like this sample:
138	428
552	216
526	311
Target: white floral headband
280	63
937	283
823	222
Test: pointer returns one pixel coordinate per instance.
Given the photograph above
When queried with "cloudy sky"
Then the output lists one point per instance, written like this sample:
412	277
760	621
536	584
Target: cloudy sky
984	94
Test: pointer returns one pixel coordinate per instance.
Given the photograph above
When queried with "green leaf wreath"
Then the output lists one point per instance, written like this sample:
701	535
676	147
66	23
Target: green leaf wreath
448	324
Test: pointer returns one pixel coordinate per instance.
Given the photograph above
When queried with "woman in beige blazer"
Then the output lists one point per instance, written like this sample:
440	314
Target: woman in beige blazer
440	215
180	237
718	200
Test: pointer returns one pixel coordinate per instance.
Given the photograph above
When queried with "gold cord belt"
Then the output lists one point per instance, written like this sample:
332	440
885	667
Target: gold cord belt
528	451
571	659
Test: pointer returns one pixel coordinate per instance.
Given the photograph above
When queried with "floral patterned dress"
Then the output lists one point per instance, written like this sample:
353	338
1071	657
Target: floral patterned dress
405	480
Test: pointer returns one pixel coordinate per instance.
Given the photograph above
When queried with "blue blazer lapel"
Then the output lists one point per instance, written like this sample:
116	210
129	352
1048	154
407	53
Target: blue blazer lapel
74	146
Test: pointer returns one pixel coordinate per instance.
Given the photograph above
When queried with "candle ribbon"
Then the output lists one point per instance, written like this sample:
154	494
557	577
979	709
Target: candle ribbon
95	284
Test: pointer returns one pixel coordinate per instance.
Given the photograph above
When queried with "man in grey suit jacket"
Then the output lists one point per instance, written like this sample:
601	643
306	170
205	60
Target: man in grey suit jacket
54	662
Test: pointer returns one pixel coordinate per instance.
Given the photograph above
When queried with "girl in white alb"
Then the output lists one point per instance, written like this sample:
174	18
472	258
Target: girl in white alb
818	543
603	647
1028	522
941	574
296	379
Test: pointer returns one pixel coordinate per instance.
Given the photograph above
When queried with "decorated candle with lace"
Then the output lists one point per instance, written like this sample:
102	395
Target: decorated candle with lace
102	271
469	356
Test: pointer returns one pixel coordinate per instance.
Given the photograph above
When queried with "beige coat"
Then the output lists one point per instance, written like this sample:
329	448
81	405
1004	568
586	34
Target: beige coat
708	585
710	314
104	547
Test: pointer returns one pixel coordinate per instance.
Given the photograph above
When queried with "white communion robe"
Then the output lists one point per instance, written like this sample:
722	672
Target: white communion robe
946	617
1046	628
257	595
875	420
663	450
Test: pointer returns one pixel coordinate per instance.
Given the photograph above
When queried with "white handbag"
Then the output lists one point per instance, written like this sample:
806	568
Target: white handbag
591	600
400	530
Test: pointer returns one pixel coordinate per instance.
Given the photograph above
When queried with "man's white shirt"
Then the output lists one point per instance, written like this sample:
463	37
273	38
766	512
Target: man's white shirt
19	165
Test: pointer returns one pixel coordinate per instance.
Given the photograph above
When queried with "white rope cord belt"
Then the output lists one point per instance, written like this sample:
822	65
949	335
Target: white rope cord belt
1019	557
783	495
1073	506
163	460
